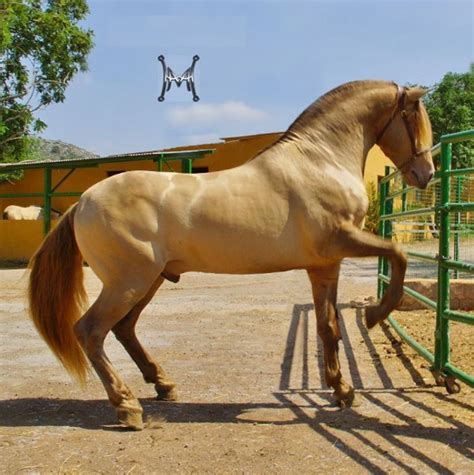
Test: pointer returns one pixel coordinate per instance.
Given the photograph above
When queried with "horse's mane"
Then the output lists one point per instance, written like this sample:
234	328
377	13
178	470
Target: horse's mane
331	99
320	107
325	103
422	124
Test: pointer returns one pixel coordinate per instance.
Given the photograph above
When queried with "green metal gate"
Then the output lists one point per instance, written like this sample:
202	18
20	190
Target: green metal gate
444	222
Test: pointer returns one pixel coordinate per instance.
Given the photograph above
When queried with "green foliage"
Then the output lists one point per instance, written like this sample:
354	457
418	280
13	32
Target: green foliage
451	109
372	218
31	151
42	47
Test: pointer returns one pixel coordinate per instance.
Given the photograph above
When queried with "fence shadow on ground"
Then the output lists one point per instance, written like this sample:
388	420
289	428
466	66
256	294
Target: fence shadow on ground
357	427
373	436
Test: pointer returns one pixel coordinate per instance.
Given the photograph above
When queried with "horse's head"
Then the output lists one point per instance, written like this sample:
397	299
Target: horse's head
406	137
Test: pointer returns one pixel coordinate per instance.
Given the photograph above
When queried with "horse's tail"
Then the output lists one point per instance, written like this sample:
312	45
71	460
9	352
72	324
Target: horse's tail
56	294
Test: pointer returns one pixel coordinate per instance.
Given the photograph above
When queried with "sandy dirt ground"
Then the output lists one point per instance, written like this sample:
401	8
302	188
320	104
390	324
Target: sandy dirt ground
244	353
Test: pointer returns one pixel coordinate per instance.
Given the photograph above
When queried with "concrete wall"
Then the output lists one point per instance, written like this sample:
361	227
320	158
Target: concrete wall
461	292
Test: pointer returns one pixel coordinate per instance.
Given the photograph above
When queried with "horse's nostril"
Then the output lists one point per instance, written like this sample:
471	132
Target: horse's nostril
430	177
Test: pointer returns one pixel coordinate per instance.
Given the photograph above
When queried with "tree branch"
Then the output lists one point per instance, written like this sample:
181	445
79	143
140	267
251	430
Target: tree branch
17	136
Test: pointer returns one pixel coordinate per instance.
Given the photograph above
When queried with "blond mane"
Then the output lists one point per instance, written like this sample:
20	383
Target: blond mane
324	104
422	127
332	99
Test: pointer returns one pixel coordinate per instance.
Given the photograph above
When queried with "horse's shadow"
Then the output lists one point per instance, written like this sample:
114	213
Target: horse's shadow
98	414
311	406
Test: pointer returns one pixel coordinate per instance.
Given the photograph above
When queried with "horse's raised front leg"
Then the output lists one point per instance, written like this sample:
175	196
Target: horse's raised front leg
91	331
152	372
352	242
324	286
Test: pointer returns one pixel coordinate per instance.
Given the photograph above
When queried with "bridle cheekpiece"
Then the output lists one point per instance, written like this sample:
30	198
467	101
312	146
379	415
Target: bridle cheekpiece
400	107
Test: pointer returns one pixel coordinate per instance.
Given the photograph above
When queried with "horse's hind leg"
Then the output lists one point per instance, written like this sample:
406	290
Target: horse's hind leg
91	331
324	285
152	372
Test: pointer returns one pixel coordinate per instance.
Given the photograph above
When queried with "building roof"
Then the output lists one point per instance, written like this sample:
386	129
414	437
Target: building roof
95	161
174	153
224	141
249	137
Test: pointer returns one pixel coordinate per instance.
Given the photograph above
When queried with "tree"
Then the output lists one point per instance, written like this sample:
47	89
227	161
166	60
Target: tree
372	217
42	47
451	109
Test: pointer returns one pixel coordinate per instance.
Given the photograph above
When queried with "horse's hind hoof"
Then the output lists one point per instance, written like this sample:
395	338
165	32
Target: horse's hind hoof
130	419
372	316
167	394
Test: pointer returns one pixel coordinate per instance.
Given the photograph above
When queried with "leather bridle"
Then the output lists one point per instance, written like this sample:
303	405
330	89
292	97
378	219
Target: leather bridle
400	107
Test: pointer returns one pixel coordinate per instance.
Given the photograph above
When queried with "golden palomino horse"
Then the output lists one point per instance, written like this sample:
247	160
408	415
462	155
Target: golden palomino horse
299	204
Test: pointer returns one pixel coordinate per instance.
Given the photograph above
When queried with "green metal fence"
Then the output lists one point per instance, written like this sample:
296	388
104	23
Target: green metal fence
186	157
443	217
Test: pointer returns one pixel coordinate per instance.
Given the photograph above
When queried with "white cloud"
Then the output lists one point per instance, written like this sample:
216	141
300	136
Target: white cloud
214	114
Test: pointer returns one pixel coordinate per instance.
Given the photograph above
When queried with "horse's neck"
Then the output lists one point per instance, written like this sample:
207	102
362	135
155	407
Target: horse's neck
341	137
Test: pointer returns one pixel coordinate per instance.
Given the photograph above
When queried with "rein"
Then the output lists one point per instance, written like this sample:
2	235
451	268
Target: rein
400	107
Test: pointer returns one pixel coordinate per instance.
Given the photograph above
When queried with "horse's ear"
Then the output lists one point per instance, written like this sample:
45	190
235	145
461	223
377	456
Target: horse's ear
416	93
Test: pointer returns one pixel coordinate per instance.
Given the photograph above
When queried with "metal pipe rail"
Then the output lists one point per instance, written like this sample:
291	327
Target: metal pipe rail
444	371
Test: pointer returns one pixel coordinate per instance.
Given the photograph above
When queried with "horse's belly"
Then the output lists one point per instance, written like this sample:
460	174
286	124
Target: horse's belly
236	255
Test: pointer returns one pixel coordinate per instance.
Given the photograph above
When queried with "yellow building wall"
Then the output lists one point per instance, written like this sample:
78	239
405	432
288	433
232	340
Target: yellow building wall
19	239
375	165
80	180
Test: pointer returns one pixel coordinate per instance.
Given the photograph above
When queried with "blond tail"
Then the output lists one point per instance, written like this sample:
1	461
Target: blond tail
56	294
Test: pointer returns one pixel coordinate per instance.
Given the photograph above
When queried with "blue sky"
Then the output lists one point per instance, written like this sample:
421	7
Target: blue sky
262	63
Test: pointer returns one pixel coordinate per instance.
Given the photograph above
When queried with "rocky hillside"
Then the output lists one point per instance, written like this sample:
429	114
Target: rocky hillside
58	150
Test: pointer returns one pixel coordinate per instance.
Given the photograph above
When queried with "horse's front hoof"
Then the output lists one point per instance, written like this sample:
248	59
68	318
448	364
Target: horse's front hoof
346	398
167	393
373	315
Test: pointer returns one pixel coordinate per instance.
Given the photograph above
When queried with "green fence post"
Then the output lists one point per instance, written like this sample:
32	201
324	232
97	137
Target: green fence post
457	227
388	224
442	322
382	195
404	197
388	210
384	231
187	165
47	201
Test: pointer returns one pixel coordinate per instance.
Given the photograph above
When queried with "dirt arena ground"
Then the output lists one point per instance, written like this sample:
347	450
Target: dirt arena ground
244	353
